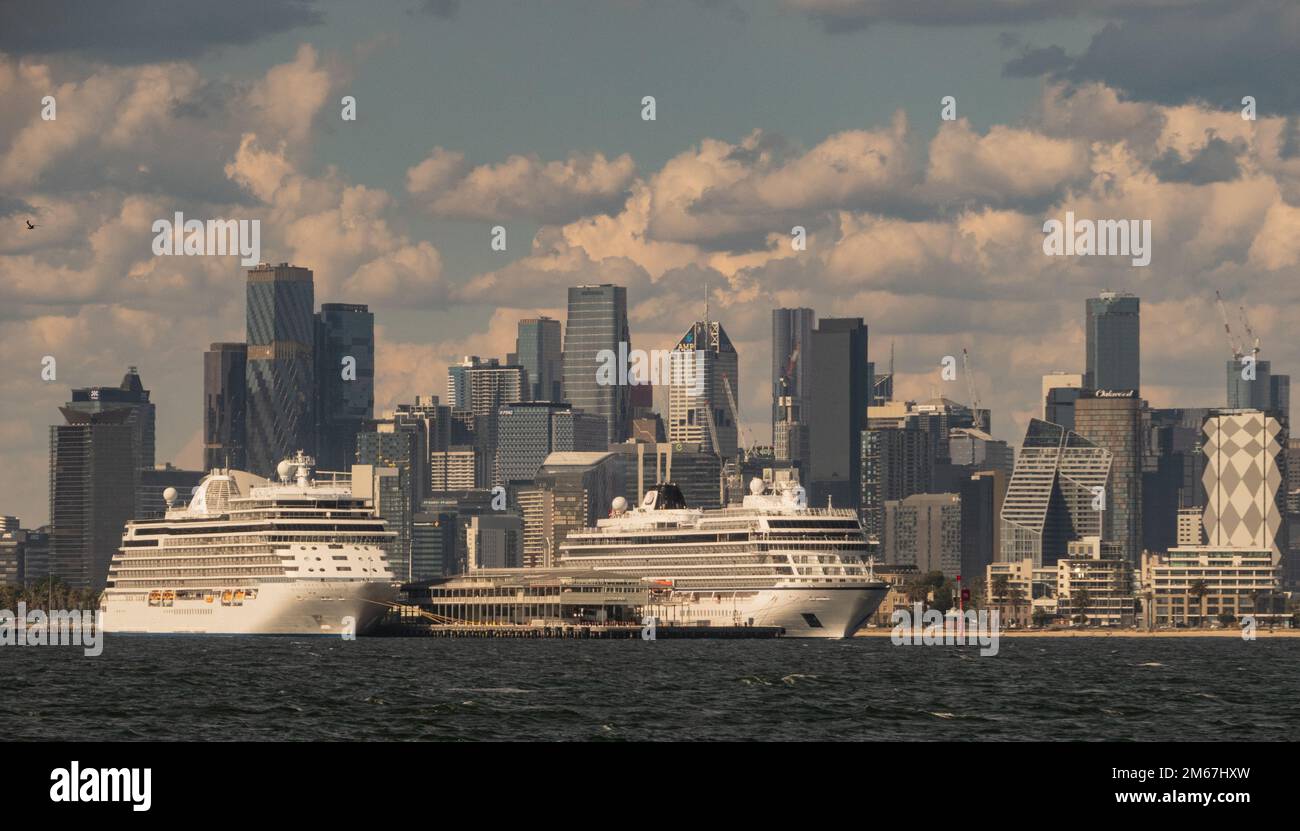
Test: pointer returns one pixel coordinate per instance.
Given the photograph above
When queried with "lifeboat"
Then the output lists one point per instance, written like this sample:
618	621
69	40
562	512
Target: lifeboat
225	597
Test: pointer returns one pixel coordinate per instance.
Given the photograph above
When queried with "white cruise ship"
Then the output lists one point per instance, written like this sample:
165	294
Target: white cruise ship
772	561
247	556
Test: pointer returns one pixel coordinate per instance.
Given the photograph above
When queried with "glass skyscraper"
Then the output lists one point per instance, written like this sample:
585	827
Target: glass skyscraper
1112	333
94	472
281	365
597	321
791	342
225	368
837	412
538	350
1113	420
344	402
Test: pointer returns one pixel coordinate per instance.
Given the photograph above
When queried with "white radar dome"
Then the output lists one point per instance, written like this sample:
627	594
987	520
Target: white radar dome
620	505
756	486
169	495
284	469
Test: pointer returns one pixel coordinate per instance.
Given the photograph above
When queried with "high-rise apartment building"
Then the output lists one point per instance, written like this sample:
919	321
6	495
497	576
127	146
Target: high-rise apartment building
924	530
1057	494
1245	475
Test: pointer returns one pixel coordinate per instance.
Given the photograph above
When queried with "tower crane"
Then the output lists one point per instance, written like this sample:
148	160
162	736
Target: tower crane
970	380
1251	338
1227	330
735	412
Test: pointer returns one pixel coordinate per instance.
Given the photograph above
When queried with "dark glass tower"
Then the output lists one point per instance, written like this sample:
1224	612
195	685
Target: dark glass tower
791	342
597	322
129	396
225	367
1115	423
281	365
837	411
538	350
1112	333
94	470
345	389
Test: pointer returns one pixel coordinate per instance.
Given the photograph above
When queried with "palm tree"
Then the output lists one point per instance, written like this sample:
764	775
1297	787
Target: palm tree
1000	591
1081	599
1199	590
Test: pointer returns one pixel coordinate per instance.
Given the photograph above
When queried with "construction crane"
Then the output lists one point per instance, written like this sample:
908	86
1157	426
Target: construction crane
1227	330
735	412
1251	338
970	380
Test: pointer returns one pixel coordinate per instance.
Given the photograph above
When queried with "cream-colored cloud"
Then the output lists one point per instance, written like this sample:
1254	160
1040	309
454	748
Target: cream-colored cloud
520	187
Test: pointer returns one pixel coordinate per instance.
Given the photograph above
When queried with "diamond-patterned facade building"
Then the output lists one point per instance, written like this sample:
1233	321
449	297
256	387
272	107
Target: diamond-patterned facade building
1245	475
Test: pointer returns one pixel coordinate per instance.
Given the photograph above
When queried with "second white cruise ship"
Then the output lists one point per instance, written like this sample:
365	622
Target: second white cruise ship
247	556
771	561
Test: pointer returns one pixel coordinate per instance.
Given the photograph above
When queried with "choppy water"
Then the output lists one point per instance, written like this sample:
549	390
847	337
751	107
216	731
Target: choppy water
379	688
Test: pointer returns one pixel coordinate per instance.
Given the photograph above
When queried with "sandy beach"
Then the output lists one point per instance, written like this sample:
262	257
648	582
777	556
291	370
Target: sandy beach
885	632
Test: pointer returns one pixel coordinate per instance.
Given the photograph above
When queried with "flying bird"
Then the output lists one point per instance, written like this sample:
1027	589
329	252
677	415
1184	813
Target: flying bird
30	226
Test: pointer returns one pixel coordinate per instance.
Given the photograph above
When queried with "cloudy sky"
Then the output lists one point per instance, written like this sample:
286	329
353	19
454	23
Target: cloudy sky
820	113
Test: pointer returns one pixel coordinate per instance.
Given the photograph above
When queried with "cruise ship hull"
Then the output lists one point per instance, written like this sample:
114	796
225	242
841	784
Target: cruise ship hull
803	612
295	608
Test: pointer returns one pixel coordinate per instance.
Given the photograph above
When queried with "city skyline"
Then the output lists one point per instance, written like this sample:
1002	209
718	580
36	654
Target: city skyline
925	228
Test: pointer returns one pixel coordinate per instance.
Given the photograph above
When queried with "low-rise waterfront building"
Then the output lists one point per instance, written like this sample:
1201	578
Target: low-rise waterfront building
1094	583
1197	585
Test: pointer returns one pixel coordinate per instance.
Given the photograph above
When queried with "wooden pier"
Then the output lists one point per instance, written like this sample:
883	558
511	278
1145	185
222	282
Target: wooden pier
425	629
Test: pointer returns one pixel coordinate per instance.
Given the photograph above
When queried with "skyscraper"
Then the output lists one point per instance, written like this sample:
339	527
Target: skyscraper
597	322
94	473
1060	391
1250	385
837	411
1112	333
225	393
1113	420
528	432
924	530
981	506
1245	476
129	396
701	366
897	462
791	341
281	365
483	387
538	350
345	381
1055	494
